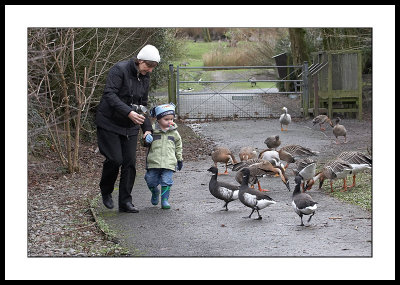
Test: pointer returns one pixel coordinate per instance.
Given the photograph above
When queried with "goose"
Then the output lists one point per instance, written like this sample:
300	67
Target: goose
285	119
272	156
259	168
305	168
339	131
293	152
252	198
247	152
321	119
222	190
298	151
290	153
303	204
358	161
223	155
332	170
278	156
272	142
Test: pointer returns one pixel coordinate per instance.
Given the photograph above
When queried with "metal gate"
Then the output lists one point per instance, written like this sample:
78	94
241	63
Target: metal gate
237	92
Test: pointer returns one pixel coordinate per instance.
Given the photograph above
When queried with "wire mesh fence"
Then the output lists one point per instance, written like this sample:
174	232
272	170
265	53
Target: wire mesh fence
234	92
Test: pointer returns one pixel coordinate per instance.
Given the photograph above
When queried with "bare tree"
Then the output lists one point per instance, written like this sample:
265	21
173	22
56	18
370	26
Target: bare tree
64	69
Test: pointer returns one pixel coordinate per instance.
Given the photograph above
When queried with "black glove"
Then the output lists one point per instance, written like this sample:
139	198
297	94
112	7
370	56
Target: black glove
180	164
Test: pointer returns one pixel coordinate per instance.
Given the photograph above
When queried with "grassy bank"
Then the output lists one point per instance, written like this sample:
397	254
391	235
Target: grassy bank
360	194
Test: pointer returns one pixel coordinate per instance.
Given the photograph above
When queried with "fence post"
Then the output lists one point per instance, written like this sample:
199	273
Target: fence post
171	85
316	97
305	89
176	87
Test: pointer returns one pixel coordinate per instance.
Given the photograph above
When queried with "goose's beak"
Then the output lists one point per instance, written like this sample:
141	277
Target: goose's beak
287	186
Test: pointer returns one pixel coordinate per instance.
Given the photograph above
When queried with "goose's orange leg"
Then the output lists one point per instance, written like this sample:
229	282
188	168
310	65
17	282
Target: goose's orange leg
344	185
259	188
354	182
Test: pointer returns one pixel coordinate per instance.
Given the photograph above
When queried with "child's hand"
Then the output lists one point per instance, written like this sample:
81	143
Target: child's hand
149	138
180	164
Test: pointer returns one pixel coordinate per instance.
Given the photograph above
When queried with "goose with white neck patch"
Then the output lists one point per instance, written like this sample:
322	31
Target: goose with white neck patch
302	203
252	198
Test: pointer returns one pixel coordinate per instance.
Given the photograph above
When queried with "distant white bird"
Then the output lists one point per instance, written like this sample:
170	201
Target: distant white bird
285	119
253	81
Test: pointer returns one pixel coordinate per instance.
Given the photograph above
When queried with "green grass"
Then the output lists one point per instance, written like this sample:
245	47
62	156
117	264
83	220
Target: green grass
194	53
360	195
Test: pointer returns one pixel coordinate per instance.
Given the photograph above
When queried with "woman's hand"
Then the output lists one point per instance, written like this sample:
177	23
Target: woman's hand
136	118
146	133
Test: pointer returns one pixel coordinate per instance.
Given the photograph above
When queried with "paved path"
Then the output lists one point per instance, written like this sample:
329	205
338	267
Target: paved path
195	226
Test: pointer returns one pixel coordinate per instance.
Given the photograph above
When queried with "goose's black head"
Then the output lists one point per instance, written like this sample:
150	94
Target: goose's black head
297	180
213	170
246	175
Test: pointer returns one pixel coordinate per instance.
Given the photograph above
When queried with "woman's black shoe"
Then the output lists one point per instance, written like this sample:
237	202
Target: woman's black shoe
108	201
128	207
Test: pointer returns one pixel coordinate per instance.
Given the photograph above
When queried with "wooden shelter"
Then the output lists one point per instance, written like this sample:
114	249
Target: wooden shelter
335	83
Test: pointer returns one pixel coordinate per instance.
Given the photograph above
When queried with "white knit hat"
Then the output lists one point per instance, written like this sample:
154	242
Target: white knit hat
149	52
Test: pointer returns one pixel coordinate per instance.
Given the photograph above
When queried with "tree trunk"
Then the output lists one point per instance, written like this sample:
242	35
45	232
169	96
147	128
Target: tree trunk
206	35
298	45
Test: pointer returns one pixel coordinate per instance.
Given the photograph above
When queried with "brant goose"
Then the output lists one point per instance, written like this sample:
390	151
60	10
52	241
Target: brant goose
252	198
302	203
222	190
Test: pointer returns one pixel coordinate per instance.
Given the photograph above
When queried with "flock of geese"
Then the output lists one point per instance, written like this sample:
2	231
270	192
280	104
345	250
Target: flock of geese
273	162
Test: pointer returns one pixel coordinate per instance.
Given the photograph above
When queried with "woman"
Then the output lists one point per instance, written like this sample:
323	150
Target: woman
118	119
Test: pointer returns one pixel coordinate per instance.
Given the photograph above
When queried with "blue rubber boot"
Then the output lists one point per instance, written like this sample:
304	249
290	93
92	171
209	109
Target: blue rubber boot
164	197
155	194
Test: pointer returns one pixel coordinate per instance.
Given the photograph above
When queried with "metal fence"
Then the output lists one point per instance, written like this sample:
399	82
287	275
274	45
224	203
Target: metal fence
236	92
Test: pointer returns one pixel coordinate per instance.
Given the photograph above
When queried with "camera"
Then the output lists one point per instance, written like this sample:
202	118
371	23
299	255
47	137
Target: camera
140	109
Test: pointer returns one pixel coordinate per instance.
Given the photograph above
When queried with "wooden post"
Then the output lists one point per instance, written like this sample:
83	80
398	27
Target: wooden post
171	85
316	97
305	90
330	112
360	85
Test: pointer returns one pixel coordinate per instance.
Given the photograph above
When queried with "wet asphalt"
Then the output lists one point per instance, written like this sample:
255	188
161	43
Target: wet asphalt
195	226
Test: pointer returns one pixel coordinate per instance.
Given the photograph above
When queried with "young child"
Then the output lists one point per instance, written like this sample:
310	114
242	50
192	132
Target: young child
164	155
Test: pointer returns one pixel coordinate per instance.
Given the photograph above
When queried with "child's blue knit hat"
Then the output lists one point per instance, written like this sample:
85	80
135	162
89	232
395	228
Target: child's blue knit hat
163	110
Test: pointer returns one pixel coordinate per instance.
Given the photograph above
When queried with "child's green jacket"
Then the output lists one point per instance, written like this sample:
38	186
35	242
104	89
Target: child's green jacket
166	149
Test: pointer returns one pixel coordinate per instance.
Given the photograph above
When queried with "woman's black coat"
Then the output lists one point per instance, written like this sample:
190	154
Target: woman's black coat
124	86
